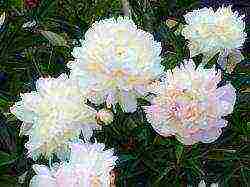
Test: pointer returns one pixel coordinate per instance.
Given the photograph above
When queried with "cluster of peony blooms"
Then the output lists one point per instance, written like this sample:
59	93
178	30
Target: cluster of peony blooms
115	66
118	63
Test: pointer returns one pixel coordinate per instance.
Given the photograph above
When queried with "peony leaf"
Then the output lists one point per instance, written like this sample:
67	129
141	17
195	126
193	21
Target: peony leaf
216	155
178	151
8	181
16	3
55	39
6	159
234	58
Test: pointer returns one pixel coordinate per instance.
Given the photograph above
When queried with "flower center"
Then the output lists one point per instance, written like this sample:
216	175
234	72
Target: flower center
120	52
119	73
95	181
184	105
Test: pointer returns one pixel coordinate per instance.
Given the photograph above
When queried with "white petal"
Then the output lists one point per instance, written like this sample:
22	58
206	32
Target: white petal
128	101
42	181
202	184
214	185
41	169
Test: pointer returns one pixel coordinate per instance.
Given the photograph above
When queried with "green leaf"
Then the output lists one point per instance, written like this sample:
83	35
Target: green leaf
3	102
163	174
216	155
127	157
8	181
178	151
170	61
54	39
16	3
6	159
245	175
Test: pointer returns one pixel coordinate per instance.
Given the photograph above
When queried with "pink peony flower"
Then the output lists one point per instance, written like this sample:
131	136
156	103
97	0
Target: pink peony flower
189	104
89	166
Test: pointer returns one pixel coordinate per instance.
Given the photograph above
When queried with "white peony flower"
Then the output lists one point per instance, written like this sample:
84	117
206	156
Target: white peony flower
116	62
52	115
211	32
89	166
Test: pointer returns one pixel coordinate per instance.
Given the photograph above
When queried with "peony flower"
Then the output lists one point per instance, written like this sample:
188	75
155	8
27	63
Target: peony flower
89	166
116	62
53	115
211	32
189	104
